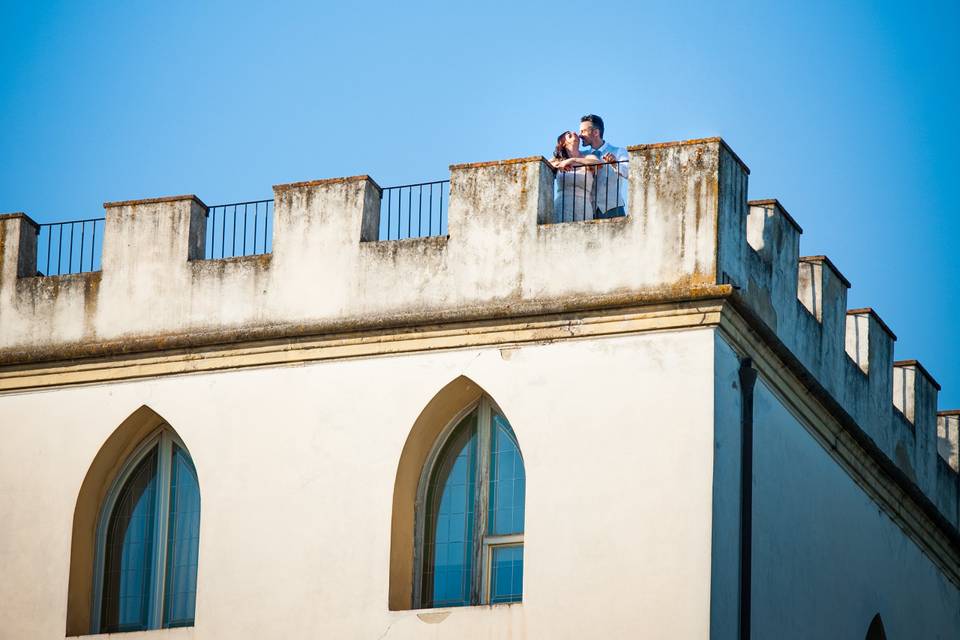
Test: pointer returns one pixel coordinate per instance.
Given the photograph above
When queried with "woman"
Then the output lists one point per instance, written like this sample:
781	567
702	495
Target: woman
574	195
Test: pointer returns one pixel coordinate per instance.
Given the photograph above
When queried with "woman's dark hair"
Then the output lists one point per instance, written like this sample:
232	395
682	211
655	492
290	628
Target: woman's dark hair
560	151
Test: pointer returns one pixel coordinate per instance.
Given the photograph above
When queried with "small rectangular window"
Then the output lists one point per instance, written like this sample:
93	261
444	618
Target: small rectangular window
506	574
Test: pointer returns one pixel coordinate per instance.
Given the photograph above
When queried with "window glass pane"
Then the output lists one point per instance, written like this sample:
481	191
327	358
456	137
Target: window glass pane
506	574
128	561
182	542
449	523
507	481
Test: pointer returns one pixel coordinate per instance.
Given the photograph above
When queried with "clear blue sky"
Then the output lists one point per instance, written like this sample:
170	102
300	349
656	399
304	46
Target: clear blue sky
846	112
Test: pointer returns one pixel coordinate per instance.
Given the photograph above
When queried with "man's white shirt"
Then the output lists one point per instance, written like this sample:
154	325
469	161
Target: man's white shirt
611	180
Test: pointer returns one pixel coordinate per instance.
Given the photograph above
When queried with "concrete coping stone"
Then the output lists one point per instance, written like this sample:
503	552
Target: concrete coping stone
776	203
681	143
870	311
129	203
499	163
324	182
827	261
19	215
919	367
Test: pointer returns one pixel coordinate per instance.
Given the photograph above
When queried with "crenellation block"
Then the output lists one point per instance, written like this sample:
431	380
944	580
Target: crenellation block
915	395
18	247
869	347
321	227
910	380
762	214
869	341
493	214
153	234
774	237
823	291
688	200
147	248
948	438
815	274
732	247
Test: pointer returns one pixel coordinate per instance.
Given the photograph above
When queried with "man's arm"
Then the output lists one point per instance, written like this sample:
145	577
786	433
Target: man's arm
622	158
580	162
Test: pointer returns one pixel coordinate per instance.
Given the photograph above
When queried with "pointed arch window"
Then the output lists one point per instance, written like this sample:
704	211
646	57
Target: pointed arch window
148	541
470	515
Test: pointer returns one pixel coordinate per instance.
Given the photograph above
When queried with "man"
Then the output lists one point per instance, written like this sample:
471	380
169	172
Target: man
611	182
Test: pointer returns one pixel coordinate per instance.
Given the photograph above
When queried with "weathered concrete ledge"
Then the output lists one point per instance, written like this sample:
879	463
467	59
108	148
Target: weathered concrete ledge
693	141
129	203
215	337
325	181
773	202
497	163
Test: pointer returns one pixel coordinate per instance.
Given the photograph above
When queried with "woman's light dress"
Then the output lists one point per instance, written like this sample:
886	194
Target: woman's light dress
573	197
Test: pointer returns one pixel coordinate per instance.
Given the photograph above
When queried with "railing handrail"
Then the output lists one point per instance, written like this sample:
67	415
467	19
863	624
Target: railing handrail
415	184
596	164
237	204
50	224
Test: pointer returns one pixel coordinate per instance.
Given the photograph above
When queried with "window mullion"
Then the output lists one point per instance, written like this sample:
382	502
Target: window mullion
165	458
480	510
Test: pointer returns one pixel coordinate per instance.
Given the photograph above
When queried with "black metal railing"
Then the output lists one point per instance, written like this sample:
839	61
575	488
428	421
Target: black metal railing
74	246
591	192
414	210
239	229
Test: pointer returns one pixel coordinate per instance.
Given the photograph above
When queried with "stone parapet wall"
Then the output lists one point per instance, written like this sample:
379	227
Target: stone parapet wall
327	271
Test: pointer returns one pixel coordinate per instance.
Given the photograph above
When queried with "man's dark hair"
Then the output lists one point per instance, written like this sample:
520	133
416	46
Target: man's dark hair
596	121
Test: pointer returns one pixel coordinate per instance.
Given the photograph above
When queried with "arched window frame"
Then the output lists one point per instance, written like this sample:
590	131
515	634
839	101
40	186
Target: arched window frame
483	543
164	439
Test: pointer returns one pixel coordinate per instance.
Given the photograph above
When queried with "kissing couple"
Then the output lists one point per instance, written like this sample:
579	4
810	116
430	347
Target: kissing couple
591	184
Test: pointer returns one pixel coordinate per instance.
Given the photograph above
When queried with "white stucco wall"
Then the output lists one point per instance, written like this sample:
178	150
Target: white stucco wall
297	464
826	557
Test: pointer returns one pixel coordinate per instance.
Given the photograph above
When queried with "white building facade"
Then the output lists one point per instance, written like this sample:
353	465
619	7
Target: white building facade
663	425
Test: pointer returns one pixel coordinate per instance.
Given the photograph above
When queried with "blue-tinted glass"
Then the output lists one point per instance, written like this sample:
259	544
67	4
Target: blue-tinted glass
449	521
507	481
128	562
182	542
506	574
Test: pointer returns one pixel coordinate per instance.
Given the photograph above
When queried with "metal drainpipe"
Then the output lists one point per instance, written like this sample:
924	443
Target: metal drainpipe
748	378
